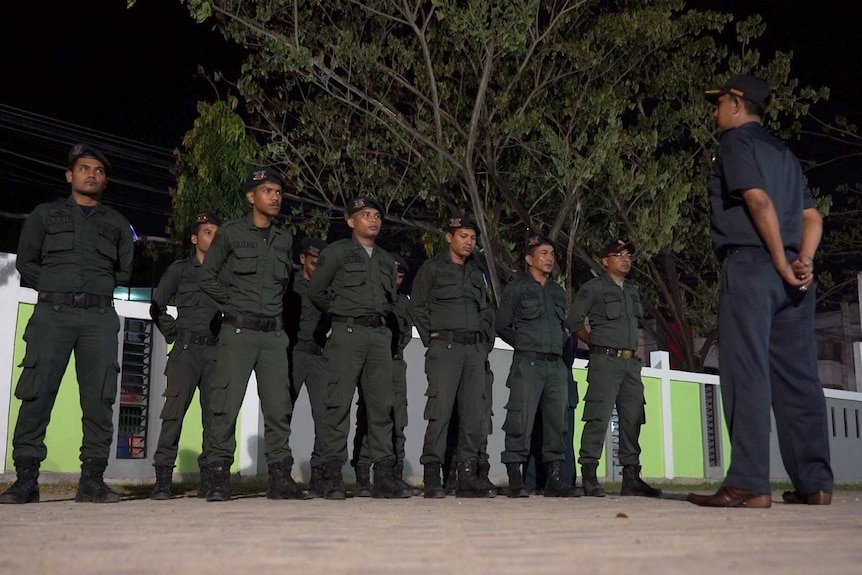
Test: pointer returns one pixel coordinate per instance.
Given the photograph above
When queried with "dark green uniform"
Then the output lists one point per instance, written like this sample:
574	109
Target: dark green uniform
451	311
308	366
257	267
74	257
191	363
358	291
614	372
532	319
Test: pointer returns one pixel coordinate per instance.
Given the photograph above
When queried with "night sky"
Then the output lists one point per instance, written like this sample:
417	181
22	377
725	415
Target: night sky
127	80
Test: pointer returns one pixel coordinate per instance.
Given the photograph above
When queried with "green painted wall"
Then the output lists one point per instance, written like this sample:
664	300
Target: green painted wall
687	430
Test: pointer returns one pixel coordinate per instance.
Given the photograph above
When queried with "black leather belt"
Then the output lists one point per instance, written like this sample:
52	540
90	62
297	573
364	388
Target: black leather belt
539	356
253	322
75	299
620	353
196	338
462	337
365	320
308	347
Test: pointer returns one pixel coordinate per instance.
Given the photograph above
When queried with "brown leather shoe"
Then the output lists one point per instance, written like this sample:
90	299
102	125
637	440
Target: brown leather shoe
732	497
817	498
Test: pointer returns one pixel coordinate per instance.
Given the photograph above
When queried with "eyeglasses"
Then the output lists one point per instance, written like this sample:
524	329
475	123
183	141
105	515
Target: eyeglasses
622	255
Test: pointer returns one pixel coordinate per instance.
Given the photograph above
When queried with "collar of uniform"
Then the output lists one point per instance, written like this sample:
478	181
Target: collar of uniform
356	244
606	277
70	201
249	219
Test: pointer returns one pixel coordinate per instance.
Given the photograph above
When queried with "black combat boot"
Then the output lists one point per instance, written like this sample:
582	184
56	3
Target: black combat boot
205	481
363	479
451	482
484	470
162	488
399	477
433	487
385	486
26	487
333	482
91	486
317	480
634	485
219	473
555	486
516	481
469	484
589	481
281	483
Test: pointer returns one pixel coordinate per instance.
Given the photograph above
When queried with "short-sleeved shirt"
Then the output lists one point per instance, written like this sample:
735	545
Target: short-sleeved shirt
532	316
749	157
613	311
196	311
64	248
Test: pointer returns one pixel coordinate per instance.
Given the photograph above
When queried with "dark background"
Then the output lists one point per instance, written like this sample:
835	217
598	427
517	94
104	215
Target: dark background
127	81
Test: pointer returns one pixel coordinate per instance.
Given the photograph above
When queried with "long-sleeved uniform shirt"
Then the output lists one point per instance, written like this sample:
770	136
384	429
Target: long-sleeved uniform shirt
196	311
532	317
614	312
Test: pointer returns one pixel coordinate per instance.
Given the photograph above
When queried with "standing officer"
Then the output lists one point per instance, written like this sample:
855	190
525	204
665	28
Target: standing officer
765	229
401	328
74	252
614	309
355	284
454	317
191	363
254	255
532	319
307	364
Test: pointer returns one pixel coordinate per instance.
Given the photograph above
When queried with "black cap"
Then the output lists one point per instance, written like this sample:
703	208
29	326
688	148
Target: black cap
363	203
535	241
400	263
88	151
462	222
262	176
205	217
313	246
744	86
617	246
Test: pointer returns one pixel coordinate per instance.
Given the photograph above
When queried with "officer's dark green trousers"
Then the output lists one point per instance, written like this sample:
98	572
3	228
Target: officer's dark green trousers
361	355
190	367
456	373
399	416
52	333
310	369
613	380
239	352
535	384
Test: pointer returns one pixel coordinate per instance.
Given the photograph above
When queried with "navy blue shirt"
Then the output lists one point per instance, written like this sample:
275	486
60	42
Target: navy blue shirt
749	157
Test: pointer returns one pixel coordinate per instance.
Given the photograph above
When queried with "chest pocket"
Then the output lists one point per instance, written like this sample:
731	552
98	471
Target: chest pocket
530	306
282	264
355	274
107	240
387	278
188	295
246	261
637	308
60	237
447	287
613	304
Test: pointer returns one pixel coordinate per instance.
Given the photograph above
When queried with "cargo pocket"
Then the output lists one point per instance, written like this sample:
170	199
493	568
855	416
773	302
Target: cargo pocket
431	407
30	383
219	394
111	383
171	408
514	407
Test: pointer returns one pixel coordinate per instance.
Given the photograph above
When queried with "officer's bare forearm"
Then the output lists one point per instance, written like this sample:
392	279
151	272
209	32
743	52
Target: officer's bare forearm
766	223
812	231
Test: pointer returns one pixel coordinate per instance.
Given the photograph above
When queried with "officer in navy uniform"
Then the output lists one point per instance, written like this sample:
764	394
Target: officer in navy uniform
766	230
74	252
308	328
191	363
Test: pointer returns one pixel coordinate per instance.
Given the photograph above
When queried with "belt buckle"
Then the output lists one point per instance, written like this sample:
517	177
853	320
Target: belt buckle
79	300
625	353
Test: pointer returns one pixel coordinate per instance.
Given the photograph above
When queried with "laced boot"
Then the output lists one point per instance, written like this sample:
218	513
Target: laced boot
26	487
385	485
317	480
590	482
205	481
634	485
219	473
516	481
281	483
555	486
433	486
363	479
333	482
399	478
91	486
451	482
162	488
484	470
468	484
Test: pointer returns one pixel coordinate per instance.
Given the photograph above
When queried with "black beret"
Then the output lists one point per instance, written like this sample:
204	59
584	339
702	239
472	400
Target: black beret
313	246
462	222
617	246
400	263
744	86
262	176
87	151
362	203
205	217
535	241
